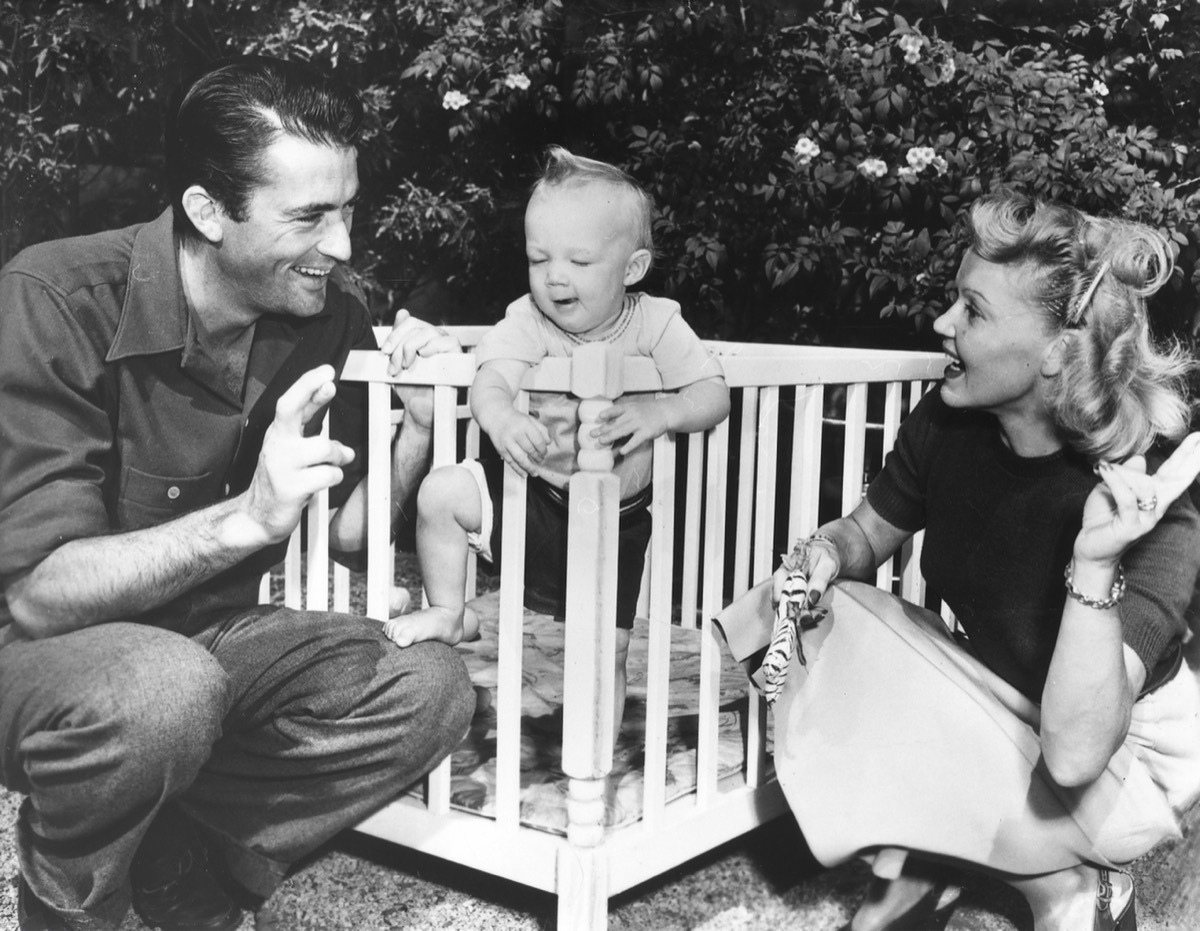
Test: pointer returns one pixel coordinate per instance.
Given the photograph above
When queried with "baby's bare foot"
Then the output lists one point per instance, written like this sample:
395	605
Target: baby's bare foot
432	623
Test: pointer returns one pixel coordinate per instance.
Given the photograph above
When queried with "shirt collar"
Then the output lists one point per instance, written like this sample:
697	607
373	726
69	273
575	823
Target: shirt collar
154	314
156	318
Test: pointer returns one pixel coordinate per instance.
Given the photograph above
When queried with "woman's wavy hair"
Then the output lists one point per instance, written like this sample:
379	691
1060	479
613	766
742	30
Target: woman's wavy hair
1117	392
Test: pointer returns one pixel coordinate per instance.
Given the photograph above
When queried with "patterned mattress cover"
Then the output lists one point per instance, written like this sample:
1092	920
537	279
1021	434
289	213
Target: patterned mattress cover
543	784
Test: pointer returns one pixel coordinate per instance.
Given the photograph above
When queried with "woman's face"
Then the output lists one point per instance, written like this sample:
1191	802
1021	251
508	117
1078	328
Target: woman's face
997	340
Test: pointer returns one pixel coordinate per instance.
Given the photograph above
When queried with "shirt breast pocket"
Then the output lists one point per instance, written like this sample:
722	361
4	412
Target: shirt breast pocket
146	499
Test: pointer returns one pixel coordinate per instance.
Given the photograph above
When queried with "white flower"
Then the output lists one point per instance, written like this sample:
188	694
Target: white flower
517	81
939	165
1158	20
946	72
920	157
806	150
455	100
907	175
1099	88
873	167
911	46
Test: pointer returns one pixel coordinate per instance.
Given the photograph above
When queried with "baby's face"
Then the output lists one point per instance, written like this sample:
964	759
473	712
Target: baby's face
580	245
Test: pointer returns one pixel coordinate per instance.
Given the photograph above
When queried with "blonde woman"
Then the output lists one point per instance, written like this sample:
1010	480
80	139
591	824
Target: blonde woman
1057	737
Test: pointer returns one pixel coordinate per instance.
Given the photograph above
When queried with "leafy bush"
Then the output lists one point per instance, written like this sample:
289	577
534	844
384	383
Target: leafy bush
809	165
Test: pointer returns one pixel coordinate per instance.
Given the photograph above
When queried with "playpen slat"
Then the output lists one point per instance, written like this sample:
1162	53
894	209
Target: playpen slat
341	588
445	433
379	499
445	441
510	642
691	532
893	395
316	571
715	497
470	451
765	490
293	572
590	634
854	446
805	494
658	647
744	513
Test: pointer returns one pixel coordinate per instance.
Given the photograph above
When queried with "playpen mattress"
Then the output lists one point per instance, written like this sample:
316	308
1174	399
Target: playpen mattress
543	784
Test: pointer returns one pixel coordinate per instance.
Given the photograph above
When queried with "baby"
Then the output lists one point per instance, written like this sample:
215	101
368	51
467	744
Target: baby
587	239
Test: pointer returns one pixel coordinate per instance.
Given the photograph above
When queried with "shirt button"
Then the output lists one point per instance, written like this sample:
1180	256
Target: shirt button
173	492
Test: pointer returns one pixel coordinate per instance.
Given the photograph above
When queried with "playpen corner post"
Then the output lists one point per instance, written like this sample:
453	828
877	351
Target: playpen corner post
582	883
589	677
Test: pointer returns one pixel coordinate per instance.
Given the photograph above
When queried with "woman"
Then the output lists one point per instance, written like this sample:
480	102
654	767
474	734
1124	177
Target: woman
1023	747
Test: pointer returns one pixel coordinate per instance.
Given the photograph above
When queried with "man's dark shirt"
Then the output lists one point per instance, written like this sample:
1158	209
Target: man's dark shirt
114	416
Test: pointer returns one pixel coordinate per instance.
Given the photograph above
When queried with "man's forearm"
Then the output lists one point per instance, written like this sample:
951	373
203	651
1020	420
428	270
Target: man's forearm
97	579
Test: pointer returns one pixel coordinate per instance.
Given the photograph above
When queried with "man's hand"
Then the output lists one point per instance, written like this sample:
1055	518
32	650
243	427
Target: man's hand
292	467
520	440
409	339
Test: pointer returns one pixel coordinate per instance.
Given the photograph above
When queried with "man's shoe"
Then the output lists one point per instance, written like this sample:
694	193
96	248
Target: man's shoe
174	889
35	915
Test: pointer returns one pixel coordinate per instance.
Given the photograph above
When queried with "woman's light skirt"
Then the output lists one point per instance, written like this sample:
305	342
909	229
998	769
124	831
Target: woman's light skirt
894	735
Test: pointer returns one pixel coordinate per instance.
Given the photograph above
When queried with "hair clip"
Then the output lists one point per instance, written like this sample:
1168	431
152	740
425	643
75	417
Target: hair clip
1088	294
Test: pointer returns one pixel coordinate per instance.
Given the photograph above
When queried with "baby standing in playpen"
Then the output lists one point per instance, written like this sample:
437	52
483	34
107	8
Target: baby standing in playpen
588	239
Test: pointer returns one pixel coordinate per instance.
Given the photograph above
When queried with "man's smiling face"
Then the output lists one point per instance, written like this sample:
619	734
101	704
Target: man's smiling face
297	229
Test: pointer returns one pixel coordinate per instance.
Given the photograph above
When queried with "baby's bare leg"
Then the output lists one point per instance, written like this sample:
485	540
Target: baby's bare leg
621	685
448	508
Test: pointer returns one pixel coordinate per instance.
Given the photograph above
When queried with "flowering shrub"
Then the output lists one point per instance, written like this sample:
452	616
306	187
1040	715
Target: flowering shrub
809	170
810	178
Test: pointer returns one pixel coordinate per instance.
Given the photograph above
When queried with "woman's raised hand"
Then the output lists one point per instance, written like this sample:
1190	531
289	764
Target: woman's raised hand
1127	503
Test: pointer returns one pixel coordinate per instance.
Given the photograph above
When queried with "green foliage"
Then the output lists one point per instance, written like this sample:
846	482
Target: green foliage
810	167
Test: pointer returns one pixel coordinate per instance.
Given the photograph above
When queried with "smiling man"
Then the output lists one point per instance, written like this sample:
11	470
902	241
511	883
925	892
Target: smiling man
160	407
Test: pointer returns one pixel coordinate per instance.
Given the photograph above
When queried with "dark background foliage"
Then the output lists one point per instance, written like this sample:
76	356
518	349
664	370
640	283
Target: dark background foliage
810	159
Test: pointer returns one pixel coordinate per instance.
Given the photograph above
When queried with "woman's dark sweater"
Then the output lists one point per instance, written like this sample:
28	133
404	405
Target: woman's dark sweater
1000	529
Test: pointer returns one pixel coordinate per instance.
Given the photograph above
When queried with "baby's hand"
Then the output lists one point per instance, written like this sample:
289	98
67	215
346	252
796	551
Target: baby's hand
521	441
640	418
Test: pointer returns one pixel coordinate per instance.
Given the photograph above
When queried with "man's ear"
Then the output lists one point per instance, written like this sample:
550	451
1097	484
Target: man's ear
637	266
205	213
1052	358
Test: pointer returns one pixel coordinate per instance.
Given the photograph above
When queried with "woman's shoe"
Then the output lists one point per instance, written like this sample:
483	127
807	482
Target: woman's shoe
924	914
1126	919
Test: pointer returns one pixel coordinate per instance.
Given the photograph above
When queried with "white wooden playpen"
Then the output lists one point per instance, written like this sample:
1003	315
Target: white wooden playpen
808	425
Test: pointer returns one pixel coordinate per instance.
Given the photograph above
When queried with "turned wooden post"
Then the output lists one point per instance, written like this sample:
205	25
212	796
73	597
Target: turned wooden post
594	495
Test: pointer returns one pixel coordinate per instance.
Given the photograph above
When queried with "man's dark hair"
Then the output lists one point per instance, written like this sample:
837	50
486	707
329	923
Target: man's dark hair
229	115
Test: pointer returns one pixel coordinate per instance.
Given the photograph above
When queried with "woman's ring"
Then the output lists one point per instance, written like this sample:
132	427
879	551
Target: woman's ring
1149	504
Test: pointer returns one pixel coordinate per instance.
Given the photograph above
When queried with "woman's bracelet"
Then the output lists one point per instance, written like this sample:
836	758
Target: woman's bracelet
823	538
1100	604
